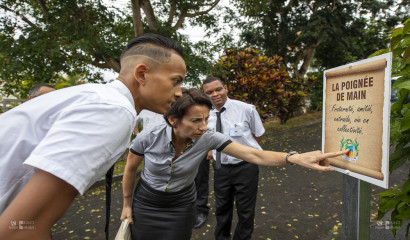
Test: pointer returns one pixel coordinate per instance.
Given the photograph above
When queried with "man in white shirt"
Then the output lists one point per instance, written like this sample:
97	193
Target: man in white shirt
40	89
55	146
148	119
234	180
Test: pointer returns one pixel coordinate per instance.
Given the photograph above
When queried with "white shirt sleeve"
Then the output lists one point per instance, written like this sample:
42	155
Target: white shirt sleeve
83	143
256	124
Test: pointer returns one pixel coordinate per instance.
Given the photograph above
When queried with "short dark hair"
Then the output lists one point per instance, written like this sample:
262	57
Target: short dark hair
152	45
33	91
190	97
211	79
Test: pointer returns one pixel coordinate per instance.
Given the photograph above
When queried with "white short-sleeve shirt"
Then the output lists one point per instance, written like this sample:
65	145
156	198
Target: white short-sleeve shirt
240	121
149	119
76	134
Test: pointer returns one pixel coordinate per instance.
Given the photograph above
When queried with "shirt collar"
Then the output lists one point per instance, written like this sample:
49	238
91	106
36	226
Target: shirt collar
226	105
169	137
120	86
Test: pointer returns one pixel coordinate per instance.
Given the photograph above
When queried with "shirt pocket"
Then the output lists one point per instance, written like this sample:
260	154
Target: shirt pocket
238	129
237	132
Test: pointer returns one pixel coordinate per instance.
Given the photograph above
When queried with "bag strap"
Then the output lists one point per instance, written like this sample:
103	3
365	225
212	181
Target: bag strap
108	183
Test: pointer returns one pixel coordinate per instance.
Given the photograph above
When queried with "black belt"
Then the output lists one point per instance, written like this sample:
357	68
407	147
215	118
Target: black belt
235	165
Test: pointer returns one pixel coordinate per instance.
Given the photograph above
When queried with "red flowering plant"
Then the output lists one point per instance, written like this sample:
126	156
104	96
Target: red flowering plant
262	81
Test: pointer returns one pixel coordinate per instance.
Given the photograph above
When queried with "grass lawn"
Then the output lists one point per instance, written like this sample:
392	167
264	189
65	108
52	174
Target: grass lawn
271	126
119	167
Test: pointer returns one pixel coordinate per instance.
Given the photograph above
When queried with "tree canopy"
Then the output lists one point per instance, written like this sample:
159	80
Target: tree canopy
42	40
329	32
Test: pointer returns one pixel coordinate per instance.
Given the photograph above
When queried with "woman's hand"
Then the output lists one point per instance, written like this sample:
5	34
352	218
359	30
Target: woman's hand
209	156
315	160
127	213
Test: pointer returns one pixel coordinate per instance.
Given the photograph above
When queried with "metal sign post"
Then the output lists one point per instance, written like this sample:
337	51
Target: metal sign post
356	209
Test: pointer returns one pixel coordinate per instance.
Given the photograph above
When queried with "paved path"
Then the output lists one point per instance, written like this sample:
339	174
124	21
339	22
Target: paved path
293	203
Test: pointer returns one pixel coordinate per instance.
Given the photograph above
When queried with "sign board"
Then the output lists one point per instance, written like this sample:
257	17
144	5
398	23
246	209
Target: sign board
356	115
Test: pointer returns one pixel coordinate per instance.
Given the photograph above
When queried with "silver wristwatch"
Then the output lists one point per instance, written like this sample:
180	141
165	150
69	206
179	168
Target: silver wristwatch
288	155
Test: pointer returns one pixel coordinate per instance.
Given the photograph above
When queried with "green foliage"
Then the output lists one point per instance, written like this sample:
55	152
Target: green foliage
317	35
262	81
316	95
399	201
42	40
326	33
69	81
40	43
196	66
297	88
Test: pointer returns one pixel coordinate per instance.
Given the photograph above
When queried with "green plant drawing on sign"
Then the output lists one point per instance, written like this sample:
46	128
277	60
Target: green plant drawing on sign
349	144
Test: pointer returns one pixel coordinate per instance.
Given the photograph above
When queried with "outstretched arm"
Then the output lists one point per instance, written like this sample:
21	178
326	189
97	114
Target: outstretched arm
315	160
41	202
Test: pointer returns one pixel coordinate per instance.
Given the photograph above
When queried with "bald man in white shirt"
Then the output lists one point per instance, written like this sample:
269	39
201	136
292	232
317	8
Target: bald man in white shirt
40	89
55	146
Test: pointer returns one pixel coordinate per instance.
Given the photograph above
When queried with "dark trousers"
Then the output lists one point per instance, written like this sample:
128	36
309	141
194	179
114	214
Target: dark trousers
237	183
202	187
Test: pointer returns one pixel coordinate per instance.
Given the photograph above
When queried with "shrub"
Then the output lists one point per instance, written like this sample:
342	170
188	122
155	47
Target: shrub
262	81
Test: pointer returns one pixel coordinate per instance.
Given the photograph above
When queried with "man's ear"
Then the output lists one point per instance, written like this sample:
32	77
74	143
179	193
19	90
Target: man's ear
140	72
226	88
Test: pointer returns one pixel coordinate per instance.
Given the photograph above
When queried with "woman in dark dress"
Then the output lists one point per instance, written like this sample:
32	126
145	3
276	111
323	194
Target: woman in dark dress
163	205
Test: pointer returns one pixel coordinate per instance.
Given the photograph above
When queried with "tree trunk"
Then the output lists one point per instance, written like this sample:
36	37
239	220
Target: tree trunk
308	55
149	13
136	17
